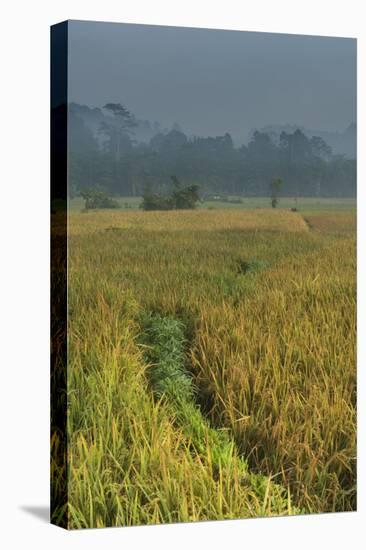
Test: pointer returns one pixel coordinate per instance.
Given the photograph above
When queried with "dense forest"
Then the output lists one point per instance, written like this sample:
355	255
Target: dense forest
111	150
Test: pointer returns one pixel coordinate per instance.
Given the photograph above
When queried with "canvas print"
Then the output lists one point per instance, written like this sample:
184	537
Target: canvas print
203	247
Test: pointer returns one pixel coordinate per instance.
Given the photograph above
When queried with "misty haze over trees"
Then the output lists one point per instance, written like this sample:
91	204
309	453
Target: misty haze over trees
111	150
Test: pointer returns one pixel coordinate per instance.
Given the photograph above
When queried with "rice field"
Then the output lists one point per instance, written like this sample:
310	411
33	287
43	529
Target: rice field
212	368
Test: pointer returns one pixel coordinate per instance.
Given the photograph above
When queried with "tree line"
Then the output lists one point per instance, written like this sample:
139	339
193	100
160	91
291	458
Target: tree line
112	161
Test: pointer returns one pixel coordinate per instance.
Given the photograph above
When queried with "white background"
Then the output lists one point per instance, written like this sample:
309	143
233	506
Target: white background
24	272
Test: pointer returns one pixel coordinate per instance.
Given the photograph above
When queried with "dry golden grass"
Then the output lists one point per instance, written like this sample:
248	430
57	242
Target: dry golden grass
279	371
332	222
181	220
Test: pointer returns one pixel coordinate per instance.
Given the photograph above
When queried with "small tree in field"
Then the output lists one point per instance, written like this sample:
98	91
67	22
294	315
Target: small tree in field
275	186
184	197
97	199
155	201
179	198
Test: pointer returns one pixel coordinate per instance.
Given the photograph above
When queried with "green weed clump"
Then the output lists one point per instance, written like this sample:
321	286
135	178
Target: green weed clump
252	266
165	343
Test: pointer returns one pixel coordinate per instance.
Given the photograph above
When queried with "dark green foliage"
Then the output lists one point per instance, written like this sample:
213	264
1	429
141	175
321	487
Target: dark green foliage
253	266
276	186
156	201
179	198
125	166
184	197
97	199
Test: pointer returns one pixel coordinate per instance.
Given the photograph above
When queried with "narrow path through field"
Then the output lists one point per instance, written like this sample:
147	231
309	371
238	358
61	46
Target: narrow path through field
165	349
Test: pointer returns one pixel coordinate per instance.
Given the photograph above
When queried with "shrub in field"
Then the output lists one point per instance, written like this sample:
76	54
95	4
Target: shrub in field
97	199
156	201
184	197
179	198
275	187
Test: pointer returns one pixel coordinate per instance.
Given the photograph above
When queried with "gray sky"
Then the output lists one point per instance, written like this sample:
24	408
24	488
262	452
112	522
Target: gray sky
213	81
